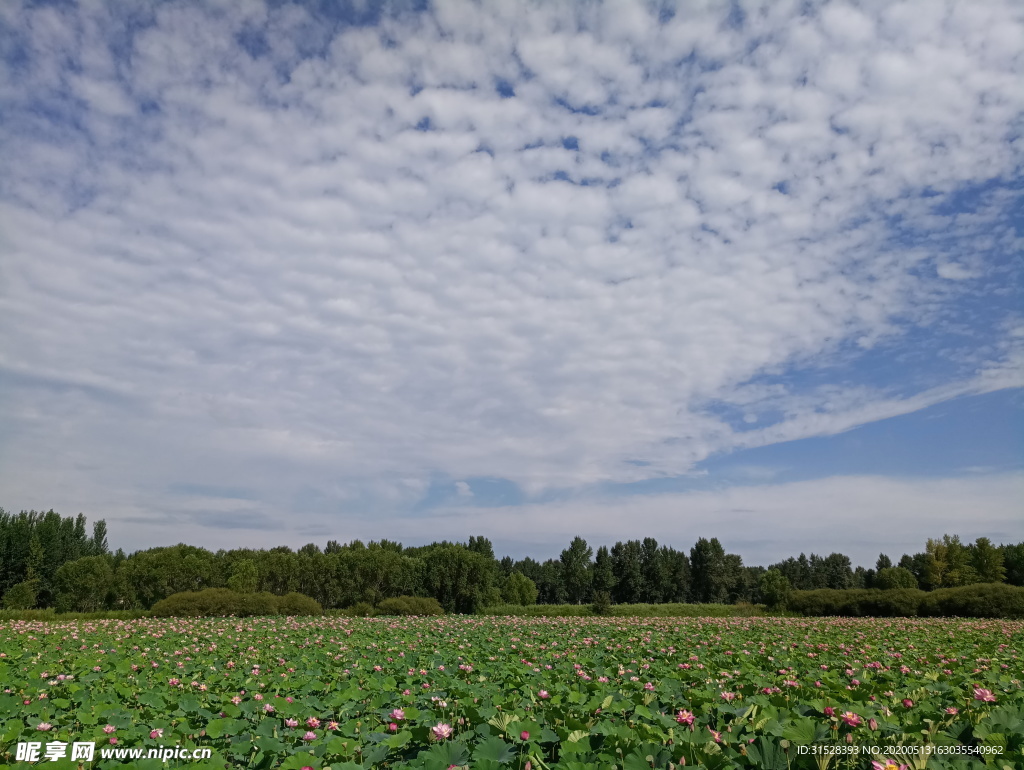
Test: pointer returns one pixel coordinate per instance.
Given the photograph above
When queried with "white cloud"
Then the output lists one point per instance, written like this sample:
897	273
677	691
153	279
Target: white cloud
258	270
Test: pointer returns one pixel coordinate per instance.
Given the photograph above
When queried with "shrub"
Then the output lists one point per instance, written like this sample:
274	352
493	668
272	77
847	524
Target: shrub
410	605
982	600
22	596
44	614
298	604
602	603
361	610
223	601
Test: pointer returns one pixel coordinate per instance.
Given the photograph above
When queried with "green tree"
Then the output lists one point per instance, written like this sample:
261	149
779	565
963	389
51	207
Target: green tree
481	545
550	583
737	587
98	543
987	561
82	585
708	571
457	577
889	578
678	576
22	596
775	589
884	562
627	564
1013	561
602	576
656	572
836	571
959	570
518	589
245	577
576	570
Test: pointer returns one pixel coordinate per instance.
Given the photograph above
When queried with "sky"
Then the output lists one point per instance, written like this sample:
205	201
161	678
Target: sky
279	273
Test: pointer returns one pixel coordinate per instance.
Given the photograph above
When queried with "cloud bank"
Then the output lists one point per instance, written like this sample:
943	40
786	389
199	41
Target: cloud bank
325	260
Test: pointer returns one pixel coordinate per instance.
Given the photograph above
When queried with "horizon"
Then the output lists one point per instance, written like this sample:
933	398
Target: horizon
275	274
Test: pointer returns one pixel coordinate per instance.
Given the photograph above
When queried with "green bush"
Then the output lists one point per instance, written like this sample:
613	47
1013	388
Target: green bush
12	614
982	600
216	602
856	602
361	610
298	604
22	596
602	603
409	605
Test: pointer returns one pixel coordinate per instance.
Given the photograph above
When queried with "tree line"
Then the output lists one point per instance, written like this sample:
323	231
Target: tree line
48	560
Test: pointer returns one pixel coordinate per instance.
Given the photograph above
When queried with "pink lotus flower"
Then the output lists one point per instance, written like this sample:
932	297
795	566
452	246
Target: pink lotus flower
312	722
393	727
648	686
291	723
269	708
953	710
44	726
158	733
112	740
441	731
309	736
887	764
986	696
543	694
727	696
524	735
829	711
853	720
685	717
332	725
908	703
109	728
398	715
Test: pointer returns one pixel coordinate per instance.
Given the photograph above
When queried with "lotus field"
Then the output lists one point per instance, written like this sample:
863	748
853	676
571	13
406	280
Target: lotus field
489	693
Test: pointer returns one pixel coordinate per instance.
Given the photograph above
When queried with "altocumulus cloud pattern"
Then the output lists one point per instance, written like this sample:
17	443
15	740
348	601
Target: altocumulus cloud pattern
269	259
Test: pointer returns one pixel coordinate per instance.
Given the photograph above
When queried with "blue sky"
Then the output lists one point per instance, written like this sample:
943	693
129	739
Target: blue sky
279	273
